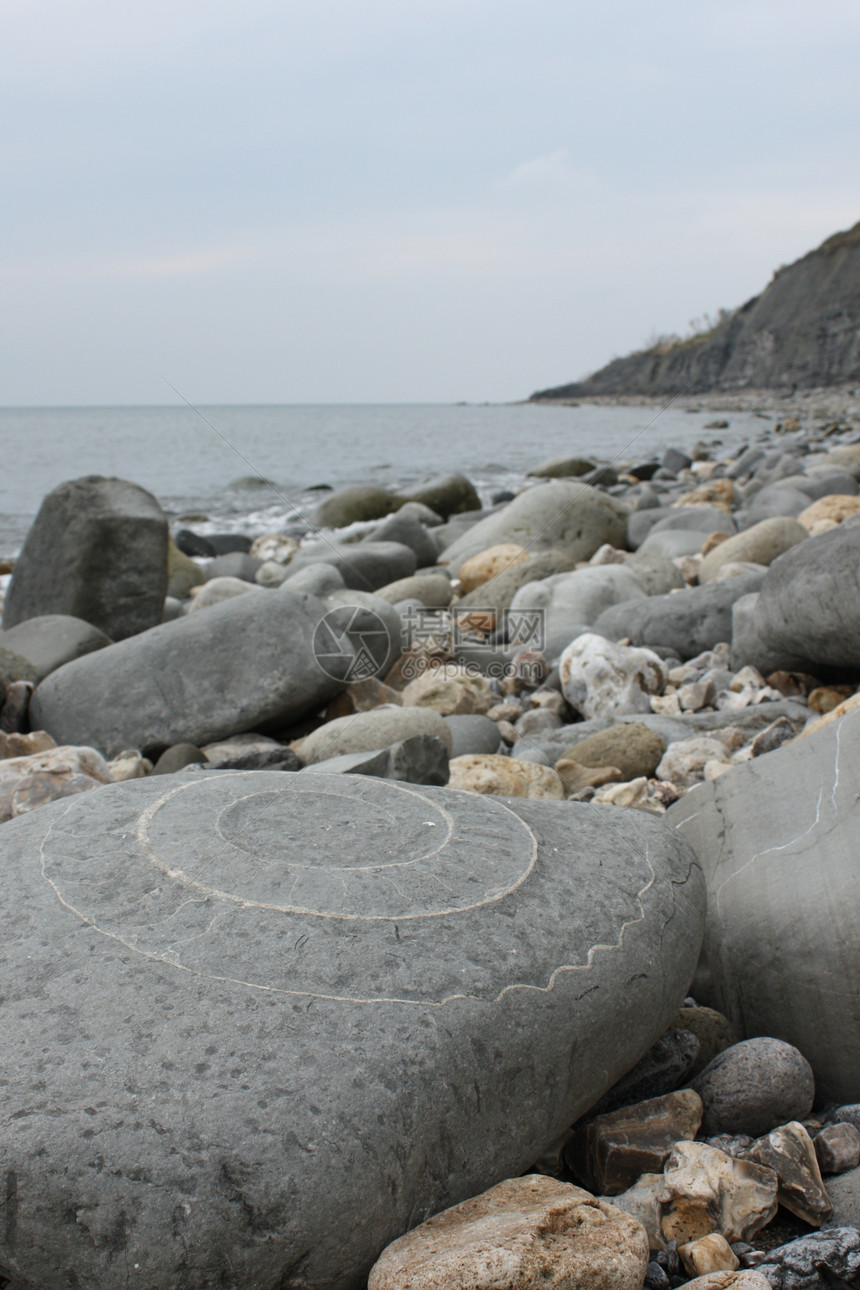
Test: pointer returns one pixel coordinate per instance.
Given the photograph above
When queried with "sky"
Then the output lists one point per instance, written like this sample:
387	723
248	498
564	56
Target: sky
331	201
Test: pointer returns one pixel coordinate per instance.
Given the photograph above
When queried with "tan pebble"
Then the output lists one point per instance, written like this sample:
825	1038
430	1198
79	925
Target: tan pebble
712	540
709	1254
488	564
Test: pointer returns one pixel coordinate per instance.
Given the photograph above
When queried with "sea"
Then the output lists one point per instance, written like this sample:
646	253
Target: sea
260	468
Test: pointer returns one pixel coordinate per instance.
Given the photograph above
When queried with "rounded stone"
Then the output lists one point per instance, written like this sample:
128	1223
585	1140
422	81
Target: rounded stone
760	544
488	564
349	505
256	1025
713	1031
505	776
633	748
755	1086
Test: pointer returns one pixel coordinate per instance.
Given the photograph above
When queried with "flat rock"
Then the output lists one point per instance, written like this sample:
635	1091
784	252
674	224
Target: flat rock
256	1025
638	1139
422	759
573	518
239	666
505	776
521	1233
52	640
809	603
363	566
689	621
366	731
777	837
98	551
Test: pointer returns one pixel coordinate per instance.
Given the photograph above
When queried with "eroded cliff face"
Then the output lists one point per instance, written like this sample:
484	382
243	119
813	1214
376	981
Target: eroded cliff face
803	330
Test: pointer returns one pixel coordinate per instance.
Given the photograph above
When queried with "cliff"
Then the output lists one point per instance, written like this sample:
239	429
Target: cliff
802	331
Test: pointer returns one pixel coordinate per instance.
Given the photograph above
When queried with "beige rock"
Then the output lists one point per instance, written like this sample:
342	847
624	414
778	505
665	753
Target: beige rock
362	696
365	731
434	590
743	1279
720	492
760	544
608	554
576	777
835	507
488	564
837	1148
28	782
638	1139
824	698
712	541
274	546
129	765
449	690
700	1191
508	710
523	1233
504	776
666	705
790	1153
634	748
696	695
271	574
841	709
822	526
14	745
709	1254
684	761
217	590
633	793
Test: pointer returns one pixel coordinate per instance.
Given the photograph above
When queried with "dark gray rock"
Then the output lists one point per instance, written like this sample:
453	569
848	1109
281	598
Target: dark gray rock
16	704
194	544
241	665
822	482
754	1086
661	1070
98	551
564	515
52	640
778	841
349	505
15	667
177	757
447	495
225	543
749	649
675	461
423	759
844	1193
809	605
408	531
234	564
688	621
364	566
256	1025
473	734
820	1261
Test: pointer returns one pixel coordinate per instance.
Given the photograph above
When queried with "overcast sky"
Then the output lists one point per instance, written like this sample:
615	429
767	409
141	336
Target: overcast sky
400	200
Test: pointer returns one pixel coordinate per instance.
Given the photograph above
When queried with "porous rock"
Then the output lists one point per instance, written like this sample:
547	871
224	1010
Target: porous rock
814	1262
505	776
237	667
97	550
521	1233
635	749
390	975
778	836
451	690
754	1086
40	777
602	679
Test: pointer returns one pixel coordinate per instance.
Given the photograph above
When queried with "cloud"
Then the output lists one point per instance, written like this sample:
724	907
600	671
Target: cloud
550	170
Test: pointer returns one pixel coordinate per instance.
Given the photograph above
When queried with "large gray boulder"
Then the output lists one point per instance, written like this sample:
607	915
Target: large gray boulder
257	1025
777	839
246	664
98	551
52	640
364	566
688	621
809	606
572	518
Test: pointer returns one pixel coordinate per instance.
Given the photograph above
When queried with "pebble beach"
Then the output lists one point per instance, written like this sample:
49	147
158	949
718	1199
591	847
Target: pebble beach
451	882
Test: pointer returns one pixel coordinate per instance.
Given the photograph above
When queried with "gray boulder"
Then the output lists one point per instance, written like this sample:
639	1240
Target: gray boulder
350	505
364	566
256	1025
655	571
319	579
447	495
246	664
361	630
775	499
777	838
97	551
52	640
822	481
809	606
688	621
472	733
370	731
571	602
755	1086
421	759
570	517
410	532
